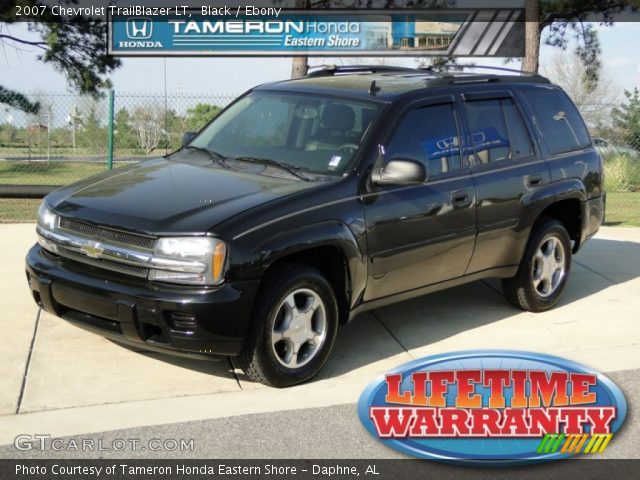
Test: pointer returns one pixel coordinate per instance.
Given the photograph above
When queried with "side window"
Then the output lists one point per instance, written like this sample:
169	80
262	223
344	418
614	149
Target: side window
497	131
520	141
558	121
428	135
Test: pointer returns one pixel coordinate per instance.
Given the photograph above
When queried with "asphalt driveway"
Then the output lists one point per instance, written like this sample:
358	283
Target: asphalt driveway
64	381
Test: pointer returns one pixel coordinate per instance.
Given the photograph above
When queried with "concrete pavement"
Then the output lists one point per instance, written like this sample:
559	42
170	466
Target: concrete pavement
308	433
65	381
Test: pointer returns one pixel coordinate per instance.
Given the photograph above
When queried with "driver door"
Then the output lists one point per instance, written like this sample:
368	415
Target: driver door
422	234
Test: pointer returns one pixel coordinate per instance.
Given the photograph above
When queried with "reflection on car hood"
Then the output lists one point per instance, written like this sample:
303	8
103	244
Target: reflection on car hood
167	196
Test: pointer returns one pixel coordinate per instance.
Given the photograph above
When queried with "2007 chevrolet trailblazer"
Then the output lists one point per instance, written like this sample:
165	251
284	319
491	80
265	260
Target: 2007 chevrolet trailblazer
308	201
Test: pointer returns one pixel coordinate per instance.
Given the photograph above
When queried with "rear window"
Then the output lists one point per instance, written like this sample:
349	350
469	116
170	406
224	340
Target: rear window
558	121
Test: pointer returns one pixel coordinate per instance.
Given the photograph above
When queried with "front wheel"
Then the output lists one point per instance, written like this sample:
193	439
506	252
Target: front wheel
544	270
293	328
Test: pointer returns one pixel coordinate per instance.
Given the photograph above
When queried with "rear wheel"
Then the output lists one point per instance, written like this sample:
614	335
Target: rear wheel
544	270
293	328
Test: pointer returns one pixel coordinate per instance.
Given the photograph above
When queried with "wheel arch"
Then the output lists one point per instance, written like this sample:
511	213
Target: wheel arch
567	211
331	248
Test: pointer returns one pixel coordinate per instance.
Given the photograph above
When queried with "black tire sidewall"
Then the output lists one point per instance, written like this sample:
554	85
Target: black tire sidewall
543	233
277	374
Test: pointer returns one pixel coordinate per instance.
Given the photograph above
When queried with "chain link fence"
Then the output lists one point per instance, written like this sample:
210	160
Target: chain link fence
68	140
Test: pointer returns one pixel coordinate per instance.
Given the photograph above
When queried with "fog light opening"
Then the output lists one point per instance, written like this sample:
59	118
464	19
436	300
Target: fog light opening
182	322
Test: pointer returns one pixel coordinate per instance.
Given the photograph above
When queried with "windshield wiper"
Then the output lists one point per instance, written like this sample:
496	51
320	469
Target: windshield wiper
284	166
217	157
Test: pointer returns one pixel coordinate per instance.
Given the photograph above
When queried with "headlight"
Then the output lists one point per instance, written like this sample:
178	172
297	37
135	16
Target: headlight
46	218
210	253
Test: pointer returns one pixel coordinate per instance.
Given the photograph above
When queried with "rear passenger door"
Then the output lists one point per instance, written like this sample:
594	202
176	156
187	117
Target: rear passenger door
507	173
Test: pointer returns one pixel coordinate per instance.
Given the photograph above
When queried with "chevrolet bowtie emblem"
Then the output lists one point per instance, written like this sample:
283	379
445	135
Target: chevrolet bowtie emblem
93	250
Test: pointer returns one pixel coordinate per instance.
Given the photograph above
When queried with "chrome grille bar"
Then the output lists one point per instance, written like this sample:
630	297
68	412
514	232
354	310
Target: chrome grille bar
91	250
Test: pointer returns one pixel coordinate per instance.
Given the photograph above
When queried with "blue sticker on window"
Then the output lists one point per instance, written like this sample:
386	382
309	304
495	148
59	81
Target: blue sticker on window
440	147
488	138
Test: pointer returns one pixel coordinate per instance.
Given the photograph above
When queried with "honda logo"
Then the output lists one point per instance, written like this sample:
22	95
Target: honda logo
446	143
139	28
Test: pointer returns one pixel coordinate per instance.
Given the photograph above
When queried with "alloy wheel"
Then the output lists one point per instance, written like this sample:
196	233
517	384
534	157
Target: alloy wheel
548	266
299	329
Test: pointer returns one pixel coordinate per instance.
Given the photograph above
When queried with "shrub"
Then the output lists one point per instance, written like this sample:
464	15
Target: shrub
622	173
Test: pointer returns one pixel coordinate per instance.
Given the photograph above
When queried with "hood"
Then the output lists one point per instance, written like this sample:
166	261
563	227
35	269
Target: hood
164	196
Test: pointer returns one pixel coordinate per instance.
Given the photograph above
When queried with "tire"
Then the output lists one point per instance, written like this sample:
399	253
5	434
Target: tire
281	322
544	270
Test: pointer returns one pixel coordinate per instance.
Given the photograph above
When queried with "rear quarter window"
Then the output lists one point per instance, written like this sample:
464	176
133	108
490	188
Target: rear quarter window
558	122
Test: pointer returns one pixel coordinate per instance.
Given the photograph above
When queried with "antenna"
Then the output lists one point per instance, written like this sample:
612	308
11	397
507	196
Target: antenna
373	89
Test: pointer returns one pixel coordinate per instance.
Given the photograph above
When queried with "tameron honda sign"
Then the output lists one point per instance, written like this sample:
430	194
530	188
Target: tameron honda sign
276	32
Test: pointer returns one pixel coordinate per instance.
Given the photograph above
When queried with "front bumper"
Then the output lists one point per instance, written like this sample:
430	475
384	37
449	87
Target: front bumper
179	320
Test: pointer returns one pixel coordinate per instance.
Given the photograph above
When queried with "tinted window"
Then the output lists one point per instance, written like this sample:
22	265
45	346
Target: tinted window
558	121
520	141
428	135
497	131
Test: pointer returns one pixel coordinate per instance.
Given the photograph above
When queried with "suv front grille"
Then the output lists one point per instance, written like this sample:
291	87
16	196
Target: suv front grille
107	234
102	263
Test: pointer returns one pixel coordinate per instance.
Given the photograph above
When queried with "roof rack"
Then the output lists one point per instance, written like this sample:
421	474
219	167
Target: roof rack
328	70
438	78
525	73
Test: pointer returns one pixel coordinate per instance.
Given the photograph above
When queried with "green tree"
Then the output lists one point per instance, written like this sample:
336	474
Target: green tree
200	115
626	117
77	47
175	126
125	136
92	133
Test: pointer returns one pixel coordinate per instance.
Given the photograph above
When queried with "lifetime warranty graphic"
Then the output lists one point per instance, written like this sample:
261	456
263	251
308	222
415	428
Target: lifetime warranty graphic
493	407
248	32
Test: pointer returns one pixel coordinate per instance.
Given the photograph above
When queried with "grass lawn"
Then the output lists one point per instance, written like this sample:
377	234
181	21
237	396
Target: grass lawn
623	209
14	210
21	172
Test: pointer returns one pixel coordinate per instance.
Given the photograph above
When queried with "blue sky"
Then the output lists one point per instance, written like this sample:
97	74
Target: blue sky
20	70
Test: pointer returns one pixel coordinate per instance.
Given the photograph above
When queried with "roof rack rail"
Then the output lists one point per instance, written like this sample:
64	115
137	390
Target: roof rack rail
328	70
489	67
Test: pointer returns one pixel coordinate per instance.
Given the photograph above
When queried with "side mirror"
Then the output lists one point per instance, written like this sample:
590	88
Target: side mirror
187	137
400	171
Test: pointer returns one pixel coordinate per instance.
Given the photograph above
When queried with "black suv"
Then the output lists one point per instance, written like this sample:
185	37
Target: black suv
306	202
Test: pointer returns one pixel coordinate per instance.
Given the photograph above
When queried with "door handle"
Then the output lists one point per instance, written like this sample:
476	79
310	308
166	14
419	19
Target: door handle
533	180
460	198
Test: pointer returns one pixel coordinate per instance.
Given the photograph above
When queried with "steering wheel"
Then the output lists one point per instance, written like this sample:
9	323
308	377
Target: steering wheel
349	147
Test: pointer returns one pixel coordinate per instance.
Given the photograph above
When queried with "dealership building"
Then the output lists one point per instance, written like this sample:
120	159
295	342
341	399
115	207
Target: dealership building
411	34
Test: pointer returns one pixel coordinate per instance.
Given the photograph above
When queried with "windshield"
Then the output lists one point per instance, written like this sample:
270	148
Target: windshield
313	133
